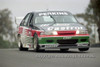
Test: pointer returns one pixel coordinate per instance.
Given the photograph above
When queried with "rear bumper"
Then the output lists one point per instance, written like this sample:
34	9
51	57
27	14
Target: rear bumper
64	42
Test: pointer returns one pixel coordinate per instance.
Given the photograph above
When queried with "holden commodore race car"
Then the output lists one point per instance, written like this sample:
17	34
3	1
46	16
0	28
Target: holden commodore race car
52	29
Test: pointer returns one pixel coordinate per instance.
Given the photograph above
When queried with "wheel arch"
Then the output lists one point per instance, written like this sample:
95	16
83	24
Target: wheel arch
18	35
35	34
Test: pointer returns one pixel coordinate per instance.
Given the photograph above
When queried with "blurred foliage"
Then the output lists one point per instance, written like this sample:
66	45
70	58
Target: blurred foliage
3	44
6	29
5	23
92	14
7	44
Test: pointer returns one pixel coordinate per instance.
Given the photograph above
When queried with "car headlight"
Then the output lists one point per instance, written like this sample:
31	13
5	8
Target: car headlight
54	33
77	32
81	32
49	33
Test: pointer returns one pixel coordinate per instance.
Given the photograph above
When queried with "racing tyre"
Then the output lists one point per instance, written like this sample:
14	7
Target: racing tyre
83	49
36	44
21	47
62	50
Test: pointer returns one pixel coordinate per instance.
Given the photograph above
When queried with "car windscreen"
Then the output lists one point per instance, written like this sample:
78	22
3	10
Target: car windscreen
57	19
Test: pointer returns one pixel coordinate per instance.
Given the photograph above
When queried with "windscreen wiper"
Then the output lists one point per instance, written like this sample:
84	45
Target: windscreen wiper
53	19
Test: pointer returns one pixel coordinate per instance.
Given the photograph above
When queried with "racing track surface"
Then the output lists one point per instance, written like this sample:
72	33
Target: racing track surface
55	58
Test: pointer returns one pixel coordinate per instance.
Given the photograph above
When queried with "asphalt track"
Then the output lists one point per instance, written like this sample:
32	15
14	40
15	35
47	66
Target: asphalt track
50	58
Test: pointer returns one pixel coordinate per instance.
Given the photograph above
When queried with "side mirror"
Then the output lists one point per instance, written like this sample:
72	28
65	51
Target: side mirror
31	25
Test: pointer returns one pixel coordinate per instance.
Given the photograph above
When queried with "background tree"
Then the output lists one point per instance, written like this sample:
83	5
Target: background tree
6	28
5	23
92	14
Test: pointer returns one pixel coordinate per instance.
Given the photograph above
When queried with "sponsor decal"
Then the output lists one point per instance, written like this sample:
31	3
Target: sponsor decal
53	13
56	24
44	25
64	28
67	37
61	24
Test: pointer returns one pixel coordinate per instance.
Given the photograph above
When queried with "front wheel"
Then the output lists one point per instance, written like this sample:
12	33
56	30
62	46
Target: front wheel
36	44
83	49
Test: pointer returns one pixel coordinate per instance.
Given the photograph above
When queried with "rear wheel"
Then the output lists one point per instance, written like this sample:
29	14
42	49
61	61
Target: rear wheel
21	48
83	49
64	49
20	45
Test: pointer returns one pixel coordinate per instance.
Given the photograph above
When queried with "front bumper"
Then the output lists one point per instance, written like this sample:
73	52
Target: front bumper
64	42
57	46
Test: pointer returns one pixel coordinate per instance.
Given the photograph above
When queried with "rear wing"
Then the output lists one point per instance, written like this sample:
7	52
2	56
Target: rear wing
18	20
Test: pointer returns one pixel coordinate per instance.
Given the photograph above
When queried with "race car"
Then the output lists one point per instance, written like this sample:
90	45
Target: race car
52	30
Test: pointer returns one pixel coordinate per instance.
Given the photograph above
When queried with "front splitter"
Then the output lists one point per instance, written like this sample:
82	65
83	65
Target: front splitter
58	46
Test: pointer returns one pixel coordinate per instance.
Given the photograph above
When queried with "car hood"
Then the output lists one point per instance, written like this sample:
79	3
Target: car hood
61	26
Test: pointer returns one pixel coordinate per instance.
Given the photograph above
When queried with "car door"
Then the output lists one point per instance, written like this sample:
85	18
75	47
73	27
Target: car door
24	30
29	31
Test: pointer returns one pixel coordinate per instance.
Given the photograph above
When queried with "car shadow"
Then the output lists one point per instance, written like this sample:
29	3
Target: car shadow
58	51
